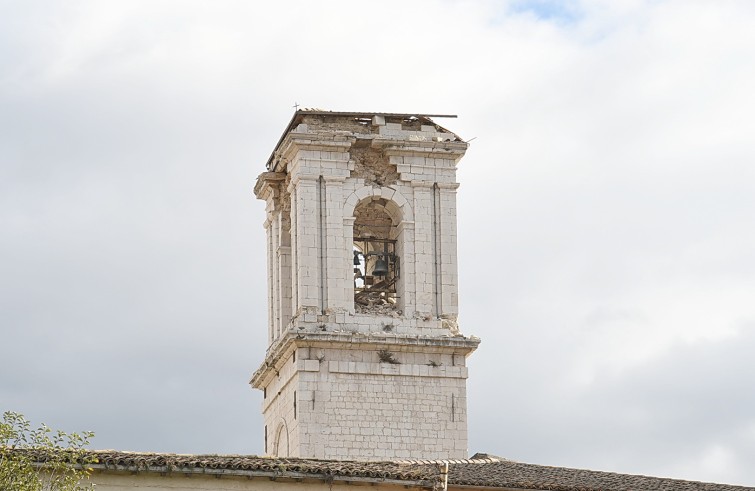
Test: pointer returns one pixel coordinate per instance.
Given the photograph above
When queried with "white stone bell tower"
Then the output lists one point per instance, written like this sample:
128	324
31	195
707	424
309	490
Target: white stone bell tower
365	359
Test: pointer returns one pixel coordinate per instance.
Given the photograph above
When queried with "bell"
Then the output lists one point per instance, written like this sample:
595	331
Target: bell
381	267
356	258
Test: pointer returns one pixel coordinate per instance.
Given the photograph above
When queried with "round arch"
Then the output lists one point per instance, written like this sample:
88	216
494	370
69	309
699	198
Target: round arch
397	206
393	287
281	446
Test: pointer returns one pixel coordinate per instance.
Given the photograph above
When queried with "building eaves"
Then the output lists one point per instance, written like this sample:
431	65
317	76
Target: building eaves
406	474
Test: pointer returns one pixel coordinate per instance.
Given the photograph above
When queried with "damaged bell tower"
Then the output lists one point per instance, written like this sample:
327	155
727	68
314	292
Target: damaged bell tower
365	359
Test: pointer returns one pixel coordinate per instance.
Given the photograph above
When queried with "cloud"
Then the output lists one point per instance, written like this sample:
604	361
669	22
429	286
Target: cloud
604	214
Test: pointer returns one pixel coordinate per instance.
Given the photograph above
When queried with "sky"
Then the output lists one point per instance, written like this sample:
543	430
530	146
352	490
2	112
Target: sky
605	214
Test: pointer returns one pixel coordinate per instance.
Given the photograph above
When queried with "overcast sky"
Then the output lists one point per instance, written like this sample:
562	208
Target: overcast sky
606	235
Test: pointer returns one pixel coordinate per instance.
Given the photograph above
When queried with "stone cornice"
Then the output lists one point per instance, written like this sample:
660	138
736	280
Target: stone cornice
293	339
268	182
293	142
404	148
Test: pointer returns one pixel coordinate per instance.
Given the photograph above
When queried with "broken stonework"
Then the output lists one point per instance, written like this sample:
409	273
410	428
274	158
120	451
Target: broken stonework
385	309
371	220
372	165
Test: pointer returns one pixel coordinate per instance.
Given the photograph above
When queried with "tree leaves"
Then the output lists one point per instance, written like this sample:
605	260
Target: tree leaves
42	459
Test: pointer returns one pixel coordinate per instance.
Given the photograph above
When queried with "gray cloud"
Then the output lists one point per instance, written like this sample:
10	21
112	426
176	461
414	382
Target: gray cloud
605	214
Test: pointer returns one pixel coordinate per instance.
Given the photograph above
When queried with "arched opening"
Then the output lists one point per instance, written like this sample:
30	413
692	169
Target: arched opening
281	442
376	259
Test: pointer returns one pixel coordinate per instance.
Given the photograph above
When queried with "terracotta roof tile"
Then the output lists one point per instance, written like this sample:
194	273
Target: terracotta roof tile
280	467
480	471
508	474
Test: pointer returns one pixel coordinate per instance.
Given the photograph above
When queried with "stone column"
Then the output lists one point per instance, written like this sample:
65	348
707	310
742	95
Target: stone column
284	275
449	277
275	272
348	275
337	255
407	280
270	289
294	256
424	259
307	249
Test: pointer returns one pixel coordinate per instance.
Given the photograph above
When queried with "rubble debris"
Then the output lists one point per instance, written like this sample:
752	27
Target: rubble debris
378	309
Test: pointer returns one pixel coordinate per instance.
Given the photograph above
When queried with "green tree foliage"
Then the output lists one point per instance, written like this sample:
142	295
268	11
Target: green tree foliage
40	459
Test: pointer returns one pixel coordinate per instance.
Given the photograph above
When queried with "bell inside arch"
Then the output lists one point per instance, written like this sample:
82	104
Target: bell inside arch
381	267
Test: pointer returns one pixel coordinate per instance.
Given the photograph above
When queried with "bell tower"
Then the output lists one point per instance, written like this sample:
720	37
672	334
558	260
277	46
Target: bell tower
365	359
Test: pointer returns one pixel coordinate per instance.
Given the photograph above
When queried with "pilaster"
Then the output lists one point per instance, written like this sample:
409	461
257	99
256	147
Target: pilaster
449	278
338	260
307	247
424	259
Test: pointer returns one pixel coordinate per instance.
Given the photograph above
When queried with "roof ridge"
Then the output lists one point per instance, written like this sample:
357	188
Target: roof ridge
475	459
480	460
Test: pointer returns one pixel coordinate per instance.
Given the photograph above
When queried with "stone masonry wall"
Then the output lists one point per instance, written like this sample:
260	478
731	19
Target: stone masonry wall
393	177
278	412
350	405
374	411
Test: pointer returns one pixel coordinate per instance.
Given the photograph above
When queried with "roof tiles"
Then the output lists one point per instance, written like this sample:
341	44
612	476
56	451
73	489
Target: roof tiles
480	471
508	474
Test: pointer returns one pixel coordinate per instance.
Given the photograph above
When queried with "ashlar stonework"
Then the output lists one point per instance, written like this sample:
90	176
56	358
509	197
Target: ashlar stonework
365	358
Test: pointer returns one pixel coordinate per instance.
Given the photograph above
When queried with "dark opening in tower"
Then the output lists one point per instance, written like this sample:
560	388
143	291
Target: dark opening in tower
376	263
